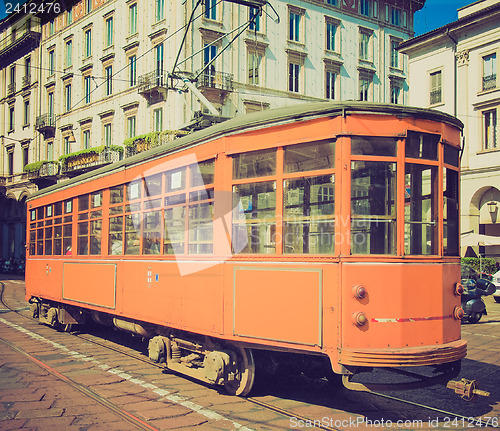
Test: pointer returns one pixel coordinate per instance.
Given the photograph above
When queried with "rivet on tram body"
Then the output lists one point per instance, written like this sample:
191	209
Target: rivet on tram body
359	319
458	313
358	291
459	289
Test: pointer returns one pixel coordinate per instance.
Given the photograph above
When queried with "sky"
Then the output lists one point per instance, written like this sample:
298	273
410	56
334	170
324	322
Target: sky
434	14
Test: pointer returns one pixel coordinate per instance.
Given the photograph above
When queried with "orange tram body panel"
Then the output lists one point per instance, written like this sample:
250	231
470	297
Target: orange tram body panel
322	234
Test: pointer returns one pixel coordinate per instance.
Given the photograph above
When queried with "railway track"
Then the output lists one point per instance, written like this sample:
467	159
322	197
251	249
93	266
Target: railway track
298	419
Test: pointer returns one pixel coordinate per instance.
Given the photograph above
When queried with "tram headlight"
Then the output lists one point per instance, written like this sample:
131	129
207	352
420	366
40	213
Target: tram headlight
359	291
458	313
459	289
359	319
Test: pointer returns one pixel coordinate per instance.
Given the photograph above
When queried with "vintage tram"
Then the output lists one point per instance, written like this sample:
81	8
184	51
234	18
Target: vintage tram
326	232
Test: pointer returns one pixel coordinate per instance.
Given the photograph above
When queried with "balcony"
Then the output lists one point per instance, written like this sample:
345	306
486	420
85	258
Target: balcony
43	173
86	160
26	80
142	143
11	89
436	97
18	42
46	124
153	85
215	80
489	82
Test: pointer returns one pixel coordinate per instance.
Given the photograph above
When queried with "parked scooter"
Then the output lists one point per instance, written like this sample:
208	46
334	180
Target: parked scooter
472	303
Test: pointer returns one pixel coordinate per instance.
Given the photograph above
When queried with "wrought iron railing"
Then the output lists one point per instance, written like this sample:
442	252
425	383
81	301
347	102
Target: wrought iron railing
90	160
217	80
26	80
489	82
11	88
45	120
48	169
151	80
436	96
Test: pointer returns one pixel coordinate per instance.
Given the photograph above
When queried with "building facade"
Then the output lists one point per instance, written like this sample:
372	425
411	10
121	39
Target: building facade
111	72
19	65
455	69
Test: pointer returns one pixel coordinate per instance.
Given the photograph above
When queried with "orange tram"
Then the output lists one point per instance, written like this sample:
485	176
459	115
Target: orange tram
321	235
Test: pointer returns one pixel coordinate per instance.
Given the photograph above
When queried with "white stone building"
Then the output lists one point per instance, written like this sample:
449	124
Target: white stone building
455	69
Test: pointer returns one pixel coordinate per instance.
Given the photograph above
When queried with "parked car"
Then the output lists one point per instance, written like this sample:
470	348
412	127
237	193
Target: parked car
496	282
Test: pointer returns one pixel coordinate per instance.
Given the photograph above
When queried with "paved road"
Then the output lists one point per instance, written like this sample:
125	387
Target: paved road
35	393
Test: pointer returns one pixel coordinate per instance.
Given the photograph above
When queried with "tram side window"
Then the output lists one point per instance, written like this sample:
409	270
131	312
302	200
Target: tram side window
151	241
450	186
374	146
89	224
254	218
421	193
309	157
422	145
132	233
373	207
309	215
254	164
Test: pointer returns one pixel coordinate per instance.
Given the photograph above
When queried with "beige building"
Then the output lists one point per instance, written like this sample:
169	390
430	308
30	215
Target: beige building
110	71
455	69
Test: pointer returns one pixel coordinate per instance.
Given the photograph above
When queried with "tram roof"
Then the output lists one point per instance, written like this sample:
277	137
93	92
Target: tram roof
256	120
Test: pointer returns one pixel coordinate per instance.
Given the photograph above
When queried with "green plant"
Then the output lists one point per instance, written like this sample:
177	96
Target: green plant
35	166
88	151
487	264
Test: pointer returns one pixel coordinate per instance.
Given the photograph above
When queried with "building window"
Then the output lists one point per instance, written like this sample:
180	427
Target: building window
211	9
10	162
67	145
254	67
395	93
50	104
364	87
88	6
331	78
131	127
158	119
254	17
69	53
490	129
293	77
489	72
108	71
331	36
159	10
11	119
436	87
26	116
109	32
52	27
294	26
332	2
50	150
69	16
107	135
86	139
133	70
27	66
159	63
88	43
52	62
395	54
365	7
67	98
209	54
132	13
25	155
87	90
365	45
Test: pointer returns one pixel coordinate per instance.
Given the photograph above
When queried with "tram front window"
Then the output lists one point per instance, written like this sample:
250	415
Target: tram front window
309	221
373	207
421	188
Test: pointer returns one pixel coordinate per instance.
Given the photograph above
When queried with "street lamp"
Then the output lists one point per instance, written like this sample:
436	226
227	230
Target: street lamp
492	207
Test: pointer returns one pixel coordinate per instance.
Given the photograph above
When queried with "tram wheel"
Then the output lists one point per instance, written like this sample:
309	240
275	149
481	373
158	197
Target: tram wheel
244	374
474	317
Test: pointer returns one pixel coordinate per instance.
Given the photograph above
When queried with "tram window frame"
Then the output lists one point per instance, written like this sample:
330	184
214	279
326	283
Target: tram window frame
90	224
190	193
421	218
314	233
451	216
374	241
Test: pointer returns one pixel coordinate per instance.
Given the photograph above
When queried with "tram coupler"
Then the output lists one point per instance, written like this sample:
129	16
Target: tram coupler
467	389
